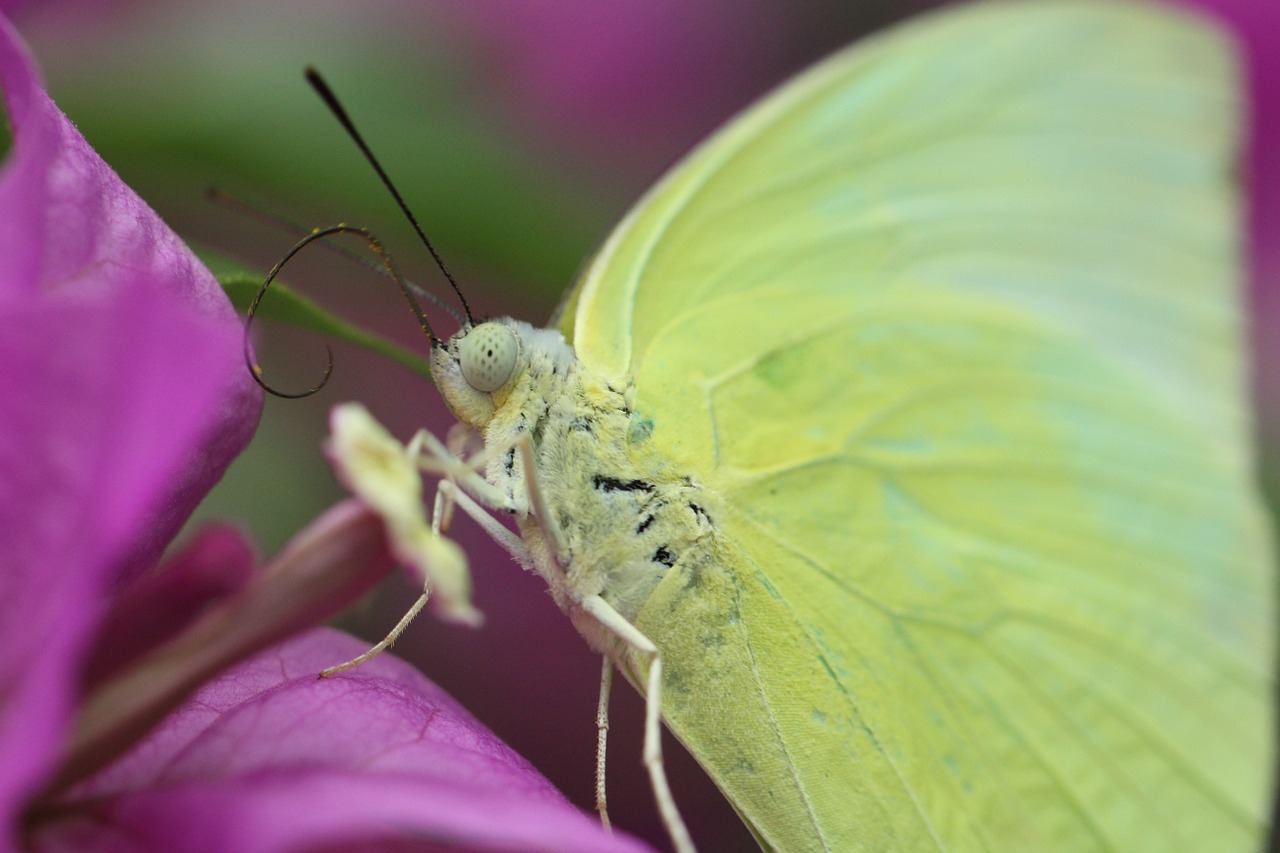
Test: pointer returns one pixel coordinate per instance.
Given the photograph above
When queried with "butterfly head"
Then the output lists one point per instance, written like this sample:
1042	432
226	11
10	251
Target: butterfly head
477	366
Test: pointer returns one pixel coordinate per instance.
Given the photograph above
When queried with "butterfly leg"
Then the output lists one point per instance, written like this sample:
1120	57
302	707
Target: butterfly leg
438	458
384	644
602	737
510	542
458	439
614	622
384	474
551	532
462	481
446	491
435	458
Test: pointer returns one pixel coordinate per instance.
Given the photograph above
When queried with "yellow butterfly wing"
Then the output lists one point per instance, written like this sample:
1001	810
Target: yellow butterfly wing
951	323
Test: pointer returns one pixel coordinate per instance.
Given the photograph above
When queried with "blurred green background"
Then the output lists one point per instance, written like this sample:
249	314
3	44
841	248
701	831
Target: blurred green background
519	133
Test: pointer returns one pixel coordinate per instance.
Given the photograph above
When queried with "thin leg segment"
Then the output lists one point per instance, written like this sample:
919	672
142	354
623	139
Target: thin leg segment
386	642
510	542
547	520
629	634
435	457
602	737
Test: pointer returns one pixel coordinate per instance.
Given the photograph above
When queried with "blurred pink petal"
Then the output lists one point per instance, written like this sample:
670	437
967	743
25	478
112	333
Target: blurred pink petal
630	81
213	564
122	395
268	757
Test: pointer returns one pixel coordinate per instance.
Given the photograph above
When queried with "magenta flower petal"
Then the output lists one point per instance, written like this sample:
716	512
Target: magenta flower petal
212	565
603	76
268	757
122	399
85	468
70	229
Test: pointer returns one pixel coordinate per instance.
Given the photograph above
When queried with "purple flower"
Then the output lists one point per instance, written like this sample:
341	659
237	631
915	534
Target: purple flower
123	397
629	83
267	757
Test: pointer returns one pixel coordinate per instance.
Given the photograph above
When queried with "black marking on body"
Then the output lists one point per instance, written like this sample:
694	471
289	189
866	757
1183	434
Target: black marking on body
645	524
701	514
509	462
581	425
665	557
613	484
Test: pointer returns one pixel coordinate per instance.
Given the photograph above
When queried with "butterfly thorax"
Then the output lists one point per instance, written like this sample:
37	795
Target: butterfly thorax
627	514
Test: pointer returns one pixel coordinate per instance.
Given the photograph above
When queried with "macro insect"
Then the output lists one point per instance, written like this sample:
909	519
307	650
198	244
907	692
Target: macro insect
894	446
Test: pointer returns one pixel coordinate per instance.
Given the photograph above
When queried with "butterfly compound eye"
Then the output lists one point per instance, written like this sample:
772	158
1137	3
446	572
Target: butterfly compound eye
488	355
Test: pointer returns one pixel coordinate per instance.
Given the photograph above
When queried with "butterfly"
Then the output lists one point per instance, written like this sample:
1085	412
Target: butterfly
895	446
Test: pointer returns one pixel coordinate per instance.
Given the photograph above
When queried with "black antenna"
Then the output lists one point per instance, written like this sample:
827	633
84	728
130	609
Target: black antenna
244	208
331	100
255	369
